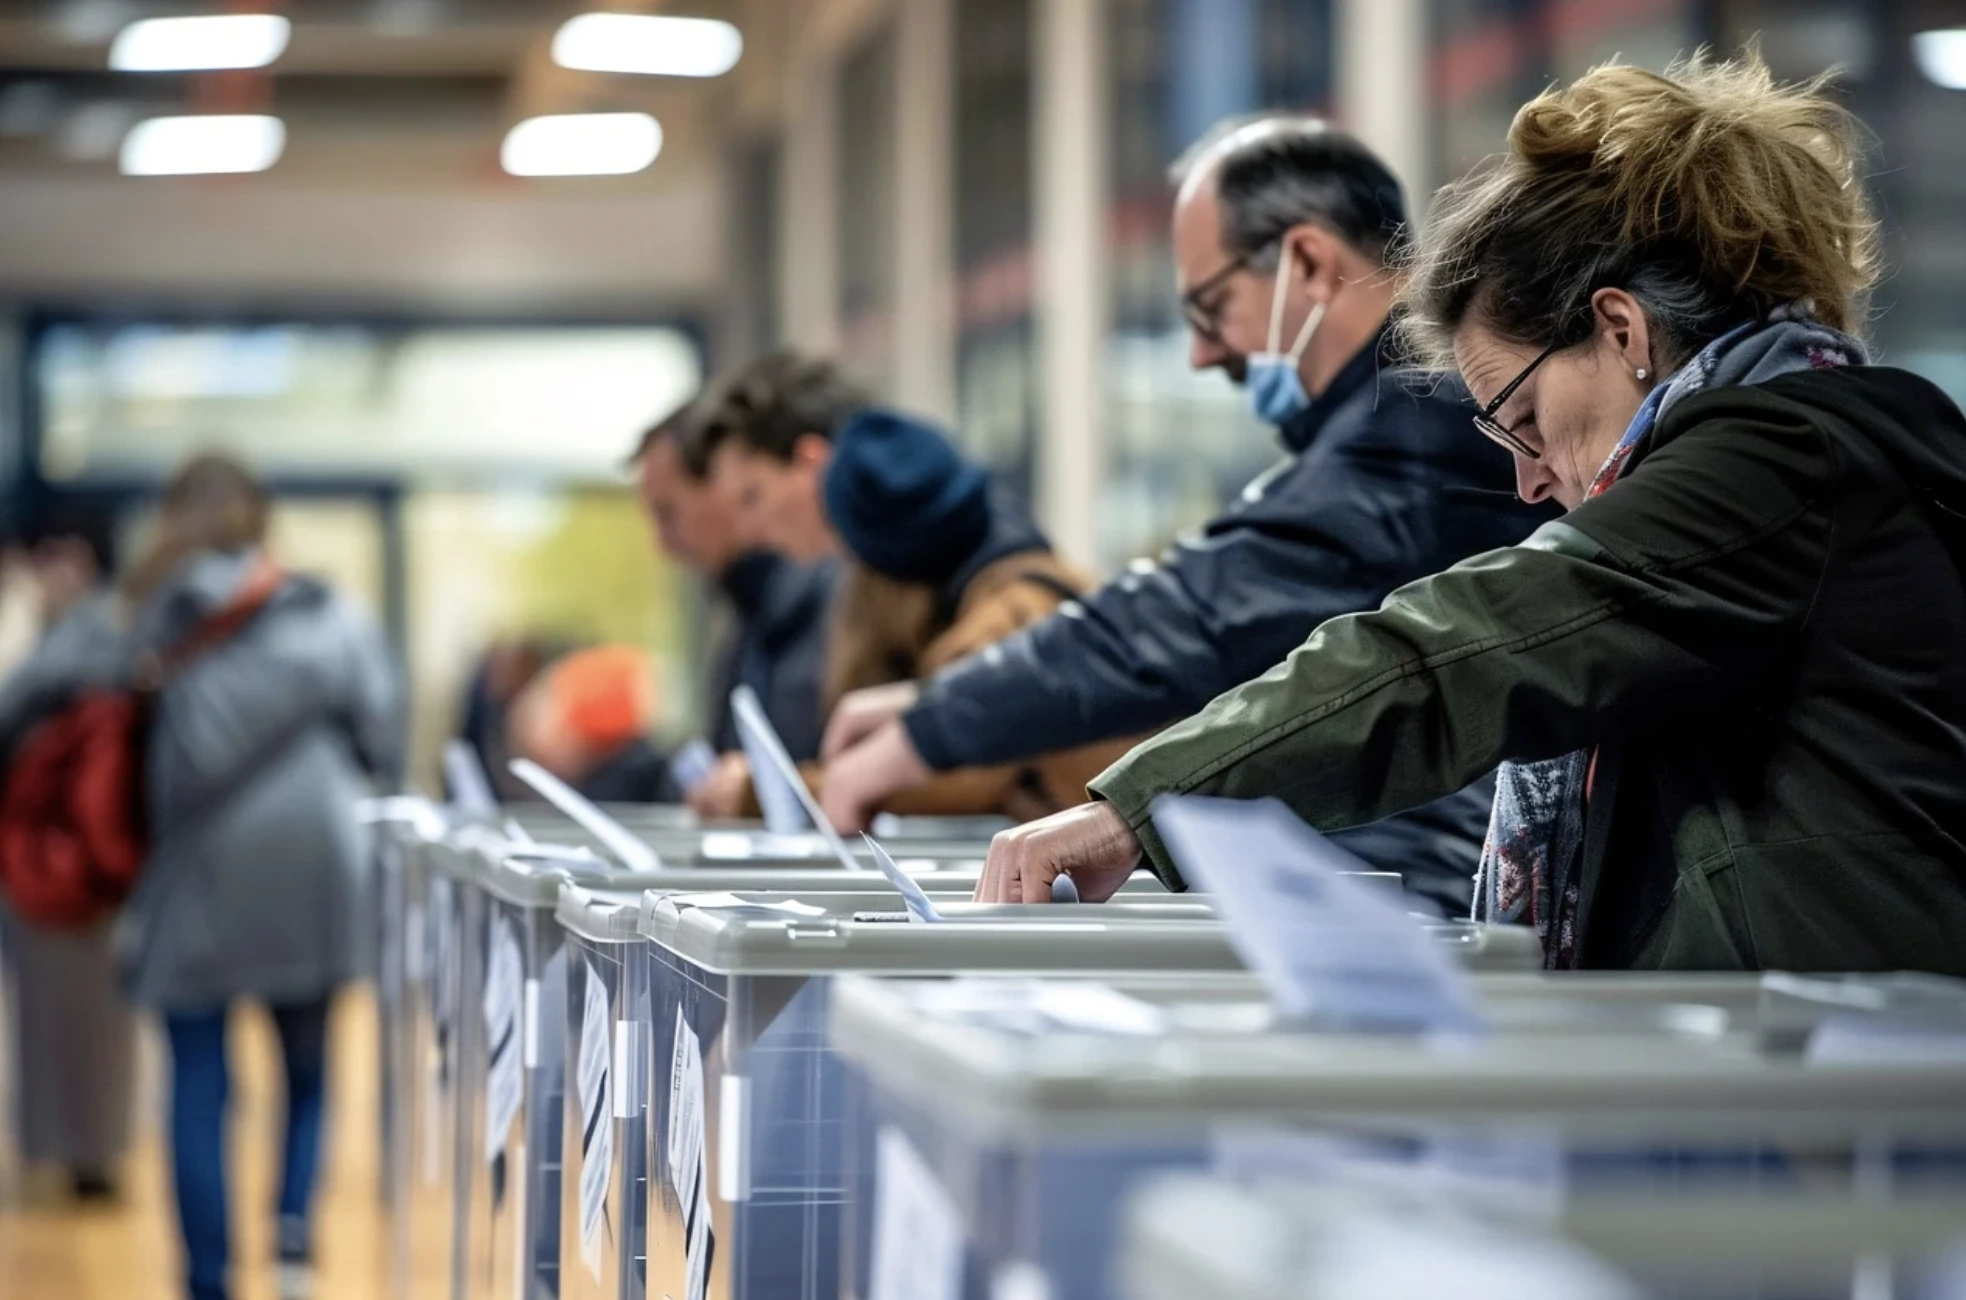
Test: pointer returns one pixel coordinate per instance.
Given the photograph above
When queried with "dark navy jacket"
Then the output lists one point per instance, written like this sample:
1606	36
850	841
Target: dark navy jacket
1386	482
784	617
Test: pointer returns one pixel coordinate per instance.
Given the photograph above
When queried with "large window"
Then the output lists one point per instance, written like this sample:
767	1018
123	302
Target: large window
464	480
867	140
1490	57
1916	169
996	364
1183	444
131	399
755	185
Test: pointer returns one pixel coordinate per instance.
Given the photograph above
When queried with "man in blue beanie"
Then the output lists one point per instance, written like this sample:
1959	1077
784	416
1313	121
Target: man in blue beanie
1286	235
938	566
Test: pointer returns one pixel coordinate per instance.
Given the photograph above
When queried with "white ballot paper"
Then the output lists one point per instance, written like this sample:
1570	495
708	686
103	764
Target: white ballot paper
505	1074
589	816
471	787
692	765
688	1152
773	773
768	754
595	1085
1326	946
913	896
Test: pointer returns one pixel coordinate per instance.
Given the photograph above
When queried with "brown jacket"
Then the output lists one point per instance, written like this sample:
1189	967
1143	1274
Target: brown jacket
886	631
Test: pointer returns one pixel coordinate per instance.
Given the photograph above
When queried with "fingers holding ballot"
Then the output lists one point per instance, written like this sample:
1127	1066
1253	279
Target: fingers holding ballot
1091	843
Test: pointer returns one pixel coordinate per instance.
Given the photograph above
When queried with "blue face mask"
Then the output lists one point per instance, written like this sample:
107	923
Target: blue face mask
1276	389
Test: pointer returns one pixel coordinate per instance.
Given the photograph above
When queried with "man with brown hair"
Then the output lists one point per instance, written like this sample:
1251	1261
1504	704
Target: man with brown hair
776	641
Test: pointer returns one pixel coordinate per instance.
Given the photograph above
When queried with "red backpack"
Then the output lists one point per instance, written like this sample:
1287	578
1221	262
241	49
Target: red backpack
73	832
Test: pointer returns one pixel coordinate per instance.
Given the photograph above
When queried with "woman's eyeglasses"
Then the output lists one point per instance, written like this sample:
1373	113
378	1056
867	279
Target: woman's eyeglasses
1485	420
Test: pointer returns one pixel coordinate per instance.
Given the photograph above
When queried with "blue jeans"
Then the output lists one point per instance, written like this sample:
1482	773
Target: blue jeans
199	1089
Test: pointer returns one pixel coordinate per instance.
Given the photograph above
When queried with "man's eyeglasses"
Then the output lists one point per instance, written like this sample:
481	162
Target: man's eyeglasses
1205	317
1485	420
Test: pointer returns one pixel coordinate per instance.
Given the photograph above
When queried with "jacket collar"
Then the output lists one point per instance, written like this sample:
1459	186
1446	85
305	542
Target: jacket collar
747	582
1360	372
1011	533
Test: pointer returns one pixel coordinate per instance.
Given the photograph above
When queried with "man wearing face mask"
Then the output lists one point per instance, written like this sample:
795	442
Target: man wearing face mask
1284	234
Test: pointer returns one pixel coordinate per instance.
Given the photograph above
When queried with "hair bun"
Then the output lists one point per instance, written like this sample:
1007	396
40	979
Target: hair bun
1710	191
1758	179
1553	132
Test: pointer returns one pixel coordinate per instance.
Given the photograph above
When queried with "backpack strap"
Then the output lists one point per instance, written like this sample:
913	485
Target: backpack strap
155	668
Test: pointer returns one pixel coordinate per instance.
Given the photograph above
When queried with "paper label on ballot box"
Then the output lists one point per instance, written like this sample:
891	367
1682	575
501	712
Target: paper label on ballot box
686	1117
505	1082
594	1084
918	1238
1328	948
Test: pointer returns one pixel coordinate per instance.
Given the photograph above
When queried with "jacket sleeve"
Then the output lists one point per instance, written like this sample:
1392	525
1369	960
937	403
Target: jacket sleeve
1664	597
1309	543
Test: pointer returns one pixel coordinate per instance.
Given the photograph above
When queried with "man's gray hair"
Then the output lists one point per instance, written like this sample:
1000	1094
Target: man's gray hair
1273	172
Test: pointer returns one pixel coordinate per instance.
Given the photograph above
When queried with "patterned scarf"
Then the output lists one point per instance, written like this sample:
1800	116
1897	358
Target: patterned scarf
1535	834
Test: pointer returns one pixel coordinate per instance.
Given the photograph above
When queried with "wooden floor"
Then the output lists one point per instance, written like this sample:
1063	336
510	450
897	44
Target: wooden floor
51	1251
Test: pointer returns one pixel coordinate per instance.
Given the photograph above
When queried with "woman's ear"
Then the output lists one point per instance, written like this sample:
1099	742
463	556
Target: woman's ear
1624	331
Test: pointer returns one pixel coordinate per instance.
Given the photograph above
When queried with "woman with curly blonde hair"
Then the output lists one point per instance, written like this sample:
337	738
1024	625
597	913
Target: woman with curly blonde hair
1725	691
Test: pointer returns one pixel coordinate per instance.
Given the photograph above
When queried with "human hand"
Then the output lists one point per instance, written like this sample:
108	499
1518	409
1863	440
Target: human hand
724	793
860	782
864	712
1090	843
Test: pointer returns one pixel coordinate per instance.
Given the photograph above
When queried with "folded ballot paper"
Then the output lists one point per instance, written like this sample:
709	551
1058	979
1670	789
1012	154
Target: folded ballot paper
471	787
1328	947
693	765
778	781
633	852
780	785
787	804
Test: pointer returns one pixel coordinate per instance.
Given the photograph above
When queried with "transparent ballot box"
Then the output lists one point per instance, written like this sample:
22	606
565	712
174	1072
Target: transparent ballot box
604	1135
679	841
995	1127
1196	1235
747	1175
403	830
434	997
500	1043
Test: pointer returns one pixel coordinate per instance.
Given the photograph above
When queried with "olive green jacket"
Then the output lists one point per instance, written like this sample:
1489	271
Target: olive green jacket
1760	631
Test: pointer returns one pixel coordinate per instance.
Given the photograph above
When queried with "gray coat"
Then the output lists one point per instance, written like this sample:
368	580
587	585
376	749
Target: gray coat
257	880
74	1040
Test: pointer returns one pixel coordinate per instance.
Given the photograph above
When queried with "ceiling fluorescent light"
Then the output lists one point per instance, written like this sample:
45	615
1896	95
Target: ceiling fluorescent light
203	146
648	44
1942	56
215	42
583	144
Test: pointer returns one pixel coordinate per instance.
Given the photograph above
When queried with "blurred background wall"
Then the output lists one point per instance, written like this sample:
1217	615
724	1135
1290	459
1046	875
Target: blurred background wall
441	364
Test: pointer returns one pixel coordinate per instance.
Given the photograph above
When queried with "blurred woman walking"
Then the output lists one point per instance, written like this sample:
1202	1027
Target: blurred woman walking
256	879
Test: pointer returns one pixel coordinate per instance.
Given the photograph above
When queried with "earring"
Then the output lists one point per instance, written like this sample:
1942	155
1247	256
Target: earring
1641	372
